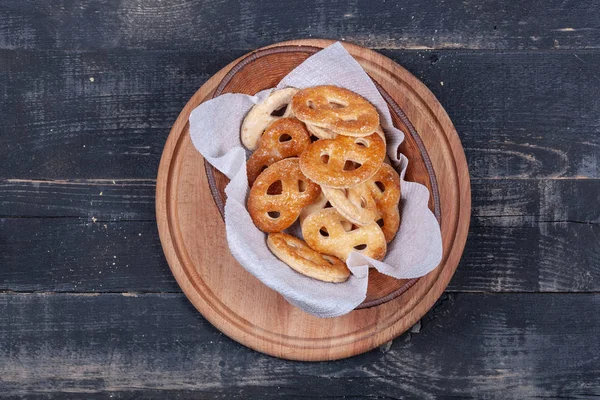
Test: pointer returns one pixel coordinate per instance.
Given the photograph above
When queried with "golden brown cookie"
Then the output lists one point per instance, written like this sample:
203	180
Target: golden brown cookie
389	222
279	194
324	232
263	114
337	109
284	138
381	133
320	133
344	161
317	205
301	258
384	187
320	203
354	203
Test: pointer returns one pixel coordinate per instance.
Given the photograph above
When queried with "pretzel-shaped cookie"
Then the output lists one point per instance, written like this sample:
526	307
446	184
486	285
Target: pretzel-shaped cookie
317	205
274	212
323	231
344	161
284	138
321	133
389	222
320	203
301	258
381	133
384	187
261	115
337	109
355	203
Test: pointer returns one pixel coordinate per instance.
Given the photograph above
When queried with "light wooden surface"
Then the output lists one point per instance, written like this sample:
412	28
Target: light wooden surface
246	310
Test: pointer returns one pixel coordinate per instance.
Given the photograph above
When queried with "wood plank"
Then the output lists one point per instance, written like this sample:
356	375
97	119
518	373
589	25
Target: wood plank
526	235
72	254
516	202
543	257
96	199
468	345
92	115
184	25
78	255
494	201
519	115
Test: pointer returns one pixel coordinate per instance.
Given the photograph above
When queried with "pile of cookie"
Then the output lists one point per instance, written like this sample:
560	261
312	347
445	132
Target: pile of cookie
319	156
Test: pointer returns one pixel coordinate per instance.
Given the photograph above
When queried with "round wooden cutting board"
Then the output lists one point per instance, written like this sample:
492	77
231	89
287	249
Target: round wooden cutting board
190	198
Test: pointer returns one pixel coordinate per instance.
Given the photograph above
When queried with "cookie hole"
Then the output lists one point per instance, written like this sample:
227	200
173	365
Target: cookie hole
275	188
284	138
361	142
311	105
274	214
380	185
313	138
353	228
328	259
363	202
328	205
360	247
325	158
301	186
380	222
350	165
323	231
335	105
280	112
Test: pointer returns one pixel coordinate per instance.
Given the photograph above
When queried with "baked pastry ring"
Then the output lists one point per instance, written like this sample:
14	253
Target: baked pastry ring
284	138
344	161
337	109
274	212
321	133
355	203
262	115
301	258
324	232
384	187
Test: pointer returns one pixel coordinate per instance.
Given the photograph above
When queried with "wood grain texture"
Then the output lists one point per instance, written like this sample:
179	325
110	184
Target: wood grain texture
50	242
215	24
77	255
468	345
92	200
496	202
527	111
520	115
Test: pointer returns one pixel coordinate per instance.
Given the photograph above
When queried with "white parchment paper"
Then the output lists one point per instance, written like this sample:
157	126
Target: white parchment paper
215	132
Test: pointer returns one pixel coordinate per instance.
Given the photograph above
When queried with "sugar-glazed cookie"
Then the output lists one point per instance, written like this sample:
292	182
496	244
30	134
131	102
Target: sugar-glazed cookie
301	258
337	109
279	194
284	138
263	114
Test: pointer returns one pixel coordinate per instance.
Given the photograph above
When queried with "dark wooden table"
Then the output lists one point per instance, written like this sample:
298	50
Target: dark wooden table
88	92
